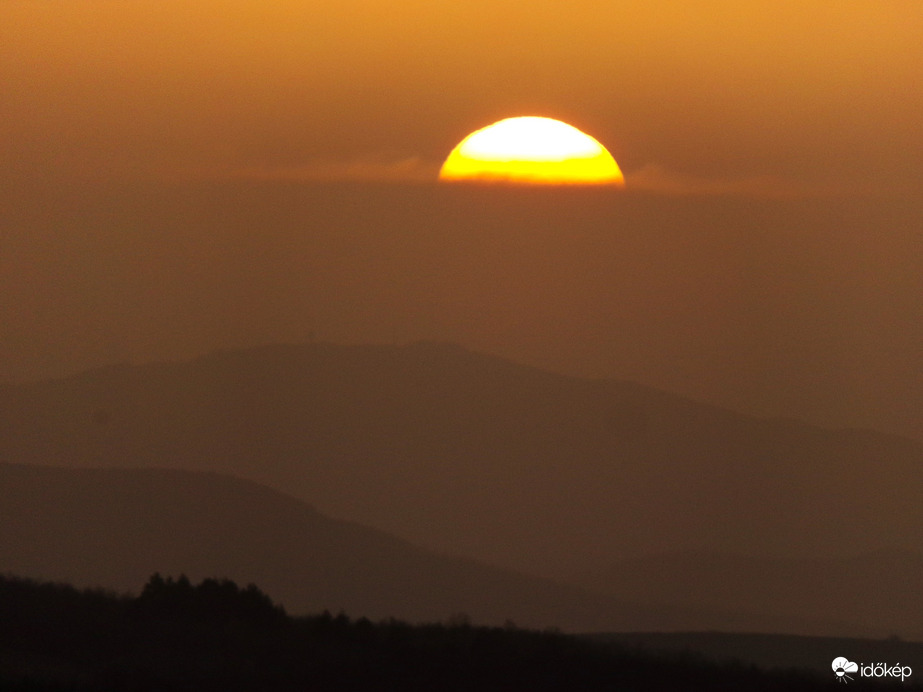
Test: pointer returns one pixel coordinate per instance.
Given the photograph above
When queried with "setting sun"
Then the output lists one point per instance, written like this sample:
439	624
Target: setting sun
531	150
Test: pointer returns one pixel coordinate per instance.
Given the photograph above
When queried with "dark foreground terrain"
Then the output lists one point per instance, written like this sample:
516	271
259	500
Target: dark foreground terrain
217	636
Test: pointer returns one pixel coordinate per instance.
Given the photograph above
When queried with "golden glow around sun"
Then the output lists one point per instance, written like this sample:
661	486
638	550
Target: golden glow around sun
534	151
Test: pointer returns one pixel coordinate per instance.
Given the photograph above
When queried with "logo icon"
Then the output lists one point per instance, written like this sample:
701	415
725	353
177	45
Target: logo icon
842	666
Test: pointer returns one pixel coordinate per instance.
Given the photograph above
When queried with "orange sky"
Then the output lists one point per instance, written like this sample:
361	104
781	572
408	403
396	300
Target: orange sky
815	93
164	170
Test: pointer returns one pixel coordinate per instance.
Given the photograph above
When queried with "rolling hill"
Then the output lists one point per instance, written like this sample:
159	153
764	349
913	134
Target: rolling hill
472	455
114	528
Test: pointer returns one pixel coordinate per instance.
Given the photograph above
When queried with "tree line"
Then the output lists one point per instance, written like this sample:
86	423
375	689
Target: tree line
218	637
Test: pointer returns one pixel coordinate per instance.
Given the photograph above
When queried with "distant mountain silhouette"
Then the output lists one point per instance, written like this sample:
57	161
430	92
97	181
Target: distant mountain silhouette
473	455
877	589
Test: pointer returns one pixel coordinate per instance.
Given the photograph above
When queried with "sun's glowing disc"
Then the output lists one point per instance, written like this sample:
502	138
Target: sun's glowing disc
531	150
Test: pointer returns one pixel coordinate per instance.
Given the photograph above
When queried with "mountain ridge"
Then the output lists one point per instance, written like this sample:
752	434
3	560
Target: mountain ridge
444	347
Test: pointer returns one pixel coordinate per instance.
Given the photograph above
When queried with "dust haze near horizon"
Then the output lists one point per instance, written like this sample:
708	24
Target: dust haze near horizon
814	93
184	176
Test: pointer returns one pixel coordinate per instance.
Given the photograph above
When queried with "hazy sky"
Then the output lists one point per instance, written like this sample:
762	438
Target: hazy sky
181	175
809	92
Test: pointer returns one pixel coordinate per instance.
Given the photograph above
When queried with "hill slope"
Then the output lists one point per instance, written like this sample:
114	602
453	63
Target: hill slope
116	527
875	588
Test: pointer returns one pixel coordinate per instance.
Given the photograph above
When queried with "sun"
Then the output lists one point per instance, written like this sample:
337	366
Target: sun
533	151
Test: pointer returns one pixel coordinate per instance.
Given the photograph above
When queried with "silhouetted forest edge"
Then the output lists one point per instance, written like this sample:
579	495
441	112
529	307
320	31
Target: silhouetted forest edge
219	636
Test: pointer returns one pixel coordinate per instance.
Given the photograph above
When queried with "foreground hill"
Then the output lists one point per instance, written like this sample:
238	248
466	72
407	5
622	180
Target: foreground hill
113	528
473	455
214	636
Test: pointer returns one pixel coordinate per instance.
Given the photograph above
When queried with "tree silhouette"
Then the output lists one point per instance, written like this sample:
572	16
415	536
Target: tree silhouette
218	600
217	637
